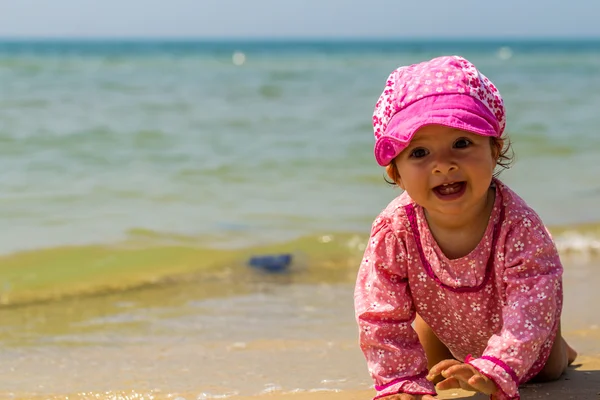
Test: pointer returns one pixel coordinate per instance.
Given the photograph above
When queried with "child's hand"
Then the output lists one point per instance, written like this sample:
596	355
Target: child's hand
406	396
461	376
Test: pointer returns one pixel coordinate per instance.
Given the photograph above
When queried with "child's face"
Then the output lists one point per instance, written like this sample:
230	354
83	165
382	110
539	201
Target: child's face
447	171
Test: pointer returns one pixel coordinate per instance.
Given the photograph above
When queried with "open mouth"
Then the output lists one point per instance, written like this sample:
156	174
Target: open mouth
451	190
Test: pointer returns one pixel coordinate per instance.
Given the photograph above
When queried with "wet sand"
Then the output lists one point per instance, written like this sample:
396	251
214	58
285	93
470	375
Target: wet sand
282	339
581	382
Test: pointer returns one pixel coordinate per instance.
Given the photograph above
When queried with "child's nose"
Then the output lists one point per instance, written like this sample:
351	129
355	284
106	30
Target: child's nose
444	166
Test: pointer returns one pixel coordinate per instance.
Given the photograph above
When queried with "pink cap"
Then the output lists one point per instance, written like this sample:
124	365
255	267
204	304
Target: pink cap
447	91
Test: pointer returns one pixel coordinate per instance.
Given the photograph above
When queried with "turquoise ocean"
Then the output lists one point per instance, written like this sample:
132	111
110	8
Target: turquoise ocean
249	142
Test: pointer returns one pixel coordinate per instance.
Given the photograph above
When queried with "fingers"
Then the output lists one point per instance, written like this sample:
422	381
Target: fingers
470	379
447	384
461	371
401	396
439	367
453	383
478	380
406	396
482	383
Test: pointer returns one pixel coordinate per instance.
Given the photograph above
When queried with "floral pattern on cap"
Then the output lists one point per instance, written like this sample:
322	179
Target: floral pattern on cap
439	76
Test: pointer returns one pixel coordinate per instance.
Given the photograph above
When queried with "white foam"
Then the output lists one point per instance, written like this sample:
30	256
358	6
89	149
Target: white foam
271	387
579	243
238	58
207	396
328	381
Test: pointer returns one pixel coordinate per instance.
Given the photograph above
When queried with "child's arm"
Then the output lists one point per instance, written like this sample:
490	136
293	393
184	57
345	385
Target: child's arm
384	312
533	290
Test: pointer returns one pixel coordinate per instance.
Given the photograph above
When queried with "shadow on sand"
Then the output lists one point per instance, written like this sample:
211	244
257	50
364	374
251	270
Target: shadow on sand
578	383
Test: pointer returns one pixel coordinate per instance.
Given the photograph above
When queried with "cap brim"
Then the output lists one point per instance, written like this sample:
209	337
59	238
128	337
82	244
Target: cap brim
467	114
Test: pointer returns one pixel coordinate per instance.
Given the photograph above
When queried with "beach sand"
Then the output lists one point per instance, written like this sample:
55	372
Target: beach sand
278	340
581	382
582	322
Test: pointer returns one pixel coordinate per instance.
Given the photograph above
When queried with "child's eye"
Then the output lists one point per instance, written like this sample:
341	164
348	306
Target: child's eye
462	143
419	153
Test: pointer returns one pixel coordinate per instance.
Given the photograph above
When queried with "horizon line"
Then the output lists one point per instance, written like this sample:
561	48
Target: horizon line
297	38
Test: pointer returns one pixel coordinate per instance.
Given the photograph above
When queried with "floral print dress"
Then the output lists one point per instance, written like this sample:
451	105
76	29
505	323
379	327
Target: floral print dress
497	308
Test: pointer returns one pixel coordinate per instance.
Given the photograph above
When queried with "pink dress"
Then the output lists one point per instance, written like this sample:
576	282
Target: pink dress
496	308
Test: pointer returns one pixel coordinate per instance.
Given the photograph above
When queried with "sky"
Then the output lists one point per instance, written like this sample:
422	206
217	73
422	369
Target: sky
298	18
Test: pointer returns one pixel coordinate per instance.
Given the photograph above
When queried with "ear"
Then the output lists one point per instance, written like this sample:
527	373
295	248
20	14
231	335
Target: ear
497	146
392	172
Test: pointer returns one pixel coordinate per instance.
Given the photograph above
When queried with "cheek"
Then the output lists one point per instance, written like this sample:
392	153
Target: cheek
478	161
411	177
485	167
491	160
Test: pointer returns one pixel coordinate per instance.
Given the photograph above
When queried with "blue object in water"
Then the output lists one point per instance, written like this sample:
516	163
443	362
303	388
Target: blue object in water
271	263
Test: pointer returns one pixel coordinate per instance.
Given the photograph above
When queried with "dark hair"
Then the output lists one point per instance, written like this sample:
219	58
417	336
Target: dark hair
503	148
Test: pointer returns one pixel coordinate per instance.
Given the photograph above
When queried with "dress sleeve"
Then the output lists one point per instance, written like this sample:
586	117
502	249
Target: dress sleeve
384	313
533	291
